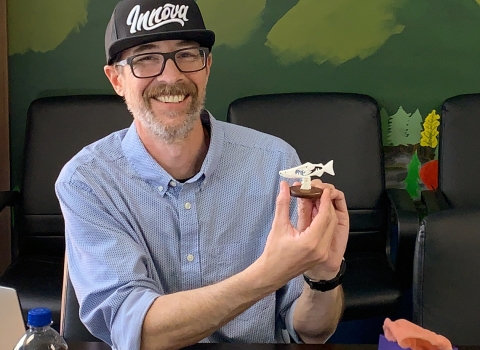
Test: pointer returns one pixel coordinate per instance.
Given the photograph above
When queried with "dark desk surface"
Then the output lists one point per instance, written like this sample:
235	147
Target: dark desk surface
239	346
223	346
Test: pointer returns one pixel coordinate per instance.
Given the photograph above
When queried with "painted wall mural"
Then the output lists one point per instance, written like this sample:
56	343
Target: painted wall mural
234	21
410	143
409	55
341	30
41	26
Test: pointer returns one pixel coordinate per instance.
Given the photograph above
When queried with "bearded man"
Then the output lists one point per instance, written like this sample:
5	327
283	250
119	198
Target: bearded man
170	239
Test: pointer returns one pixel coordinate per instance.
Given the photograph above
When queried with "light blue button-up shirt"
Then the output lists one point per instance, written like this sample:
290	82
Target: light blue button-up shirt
134	233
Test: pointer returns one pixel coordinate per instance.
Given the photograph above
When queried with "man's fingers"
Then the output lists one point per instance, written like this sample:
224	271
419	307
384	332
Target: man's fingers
305	207
339	201
322	219
326	239
319	184
282	209
337	197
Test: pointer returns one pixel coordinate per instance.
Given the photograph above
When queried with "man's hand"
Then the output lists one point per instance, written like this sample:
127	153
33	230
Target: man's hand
335	238
318	313
316	246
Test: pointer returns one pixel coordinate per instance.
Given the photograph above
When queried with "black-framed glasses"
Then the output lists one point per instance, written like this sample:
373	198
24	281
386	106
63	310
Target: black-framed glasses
152	64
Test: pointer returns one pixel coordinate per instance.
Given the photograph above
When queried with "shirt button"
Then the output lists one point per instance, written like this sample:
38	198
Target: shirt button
188	206
160	188
190	257
173	183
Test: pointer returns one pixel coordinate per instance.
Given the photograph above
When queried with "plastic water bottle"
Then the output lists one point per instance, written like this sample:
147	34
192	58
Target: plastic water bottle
40	336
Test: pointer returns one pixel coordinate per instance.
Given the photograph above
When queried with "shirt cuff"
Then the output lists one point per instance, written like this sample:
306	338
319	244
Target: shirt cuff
289	324
127	327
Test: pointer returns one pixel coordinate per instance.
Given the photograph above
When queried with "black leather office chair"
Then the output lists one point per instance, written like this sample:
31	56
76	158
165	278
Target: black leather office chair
57	128
71	328
384	223
446	280
458	159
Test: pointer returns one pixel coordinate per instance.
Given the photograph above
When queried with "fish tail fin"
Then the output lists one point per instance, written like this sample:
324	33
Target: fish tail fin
328	168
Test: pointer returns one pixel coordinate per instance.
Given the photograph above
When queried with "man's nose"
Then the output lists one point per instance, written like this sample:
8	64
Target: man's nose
170	73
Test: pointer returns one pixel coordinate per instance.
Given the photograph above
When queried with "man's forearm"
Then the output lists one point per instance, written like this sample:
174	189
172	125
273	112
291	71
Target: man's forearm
180	319
316	314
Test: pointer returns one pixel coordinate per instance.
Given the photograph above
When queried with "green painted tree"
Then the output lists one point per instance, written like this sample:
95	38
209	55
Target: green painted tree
412	181
384	118
398	128
413	128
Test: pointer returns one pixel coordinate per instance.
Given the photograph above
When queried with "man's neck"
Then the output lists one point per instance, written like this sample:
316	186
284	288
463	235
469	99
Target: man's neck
183	159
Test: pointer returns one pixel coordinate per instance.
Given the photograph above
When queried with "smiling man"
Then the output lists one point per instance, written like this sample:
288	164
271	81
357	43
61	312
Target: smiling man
170	239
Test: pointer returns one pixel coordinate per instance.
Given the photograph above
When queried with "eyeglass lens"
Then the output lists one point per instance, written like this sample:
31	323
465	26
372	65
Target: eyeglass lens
187	60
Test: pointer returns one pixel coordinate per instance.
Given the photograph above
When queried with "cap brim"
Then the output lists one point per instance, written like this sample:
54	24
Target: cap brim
206	38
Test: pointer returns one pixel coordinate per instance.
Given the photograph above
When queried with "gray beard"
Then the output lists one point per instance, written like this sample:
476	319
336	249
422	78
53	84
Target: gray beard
167	134
164	133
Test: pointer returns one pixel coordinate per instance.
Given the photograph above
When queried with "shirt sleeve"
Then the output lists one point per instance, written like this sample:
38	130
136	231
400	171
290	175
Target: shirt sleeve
288	296
108	268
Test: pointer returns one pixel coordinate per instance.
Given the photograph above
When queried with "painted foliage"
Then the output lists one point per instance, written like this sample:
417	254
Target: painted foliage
41	26
410	145
409	55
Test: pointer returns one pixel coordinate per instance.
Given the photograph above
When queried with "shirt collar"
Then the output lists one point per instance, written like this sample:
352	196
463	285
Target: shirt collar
215	149
150	171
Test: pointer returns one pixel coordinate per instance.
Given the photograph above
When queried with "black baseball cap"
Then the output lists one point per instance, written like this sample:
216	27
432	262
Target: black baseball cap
136	22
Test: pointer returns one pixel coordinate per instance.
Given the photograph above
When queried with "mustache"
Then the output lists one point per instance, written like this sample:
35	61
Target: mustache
180	88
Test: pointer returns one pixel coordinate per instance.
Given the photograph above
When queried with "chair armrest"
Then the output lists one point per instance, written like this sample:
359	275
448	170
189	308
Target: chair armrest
8	198
434	200
405	224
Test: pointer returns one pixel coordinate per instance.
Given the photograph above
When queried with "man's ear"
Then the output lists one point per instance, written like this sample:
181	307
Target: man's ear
116	79
208	65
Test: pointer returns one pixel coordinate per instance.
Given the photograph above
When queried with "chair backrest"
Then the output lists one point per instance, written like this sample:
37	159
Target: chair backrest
446	278
71	328
57	128
344	127
446	283
458	157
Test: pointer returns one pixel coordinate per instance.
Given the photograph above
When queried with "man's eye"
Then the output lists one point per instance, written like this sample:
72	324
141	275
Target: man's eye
148	58
188	54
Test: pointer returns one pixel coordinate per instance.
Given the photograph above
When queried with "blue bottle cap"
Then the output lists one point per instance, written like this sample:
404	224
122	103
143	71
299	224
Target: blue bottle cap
39	317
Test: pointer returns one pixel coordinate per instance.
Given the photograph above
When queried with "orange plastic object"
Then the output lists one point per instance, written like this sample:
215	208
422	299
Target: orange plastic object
408	335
